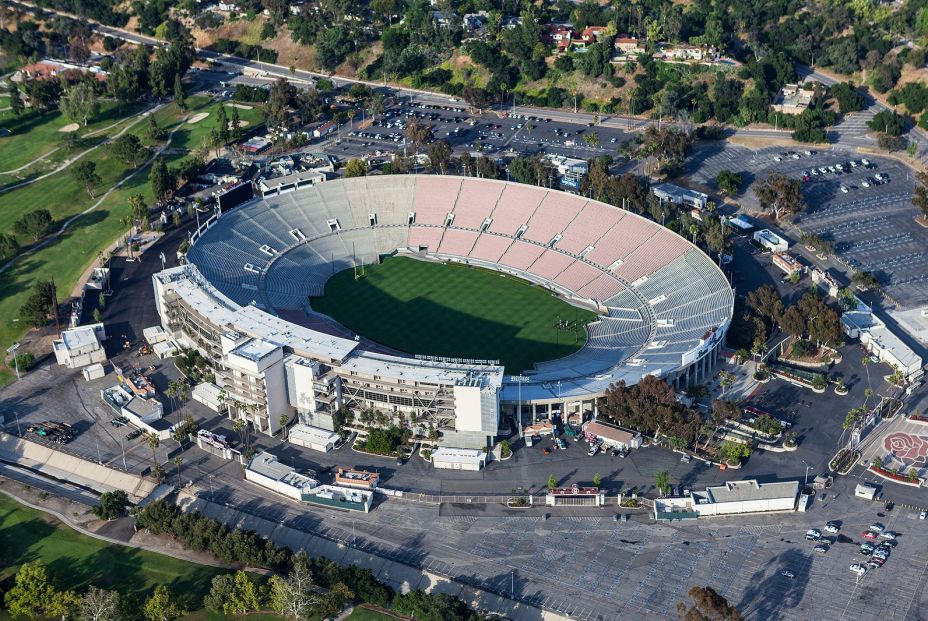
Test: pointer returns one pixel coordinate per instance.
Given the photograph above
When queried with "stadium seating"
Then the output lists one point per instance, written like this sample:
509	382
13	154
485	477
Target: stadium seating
661	295
476	202
553	215
515	208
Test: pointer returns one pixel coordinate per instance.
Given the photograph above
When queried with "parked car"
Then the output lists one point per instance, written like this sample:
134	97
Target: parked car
593	450
821	548
877	527
888	534
869	534
832	527
923	515
788	574
858	569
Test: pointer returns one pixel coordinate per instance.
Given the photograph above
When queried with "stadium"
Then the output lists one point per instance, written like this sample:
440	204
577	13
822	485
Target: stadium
243	299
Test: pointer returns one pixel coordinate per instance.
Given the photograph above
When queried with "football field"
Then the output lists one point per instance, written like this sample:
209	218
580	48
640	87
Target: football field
421	307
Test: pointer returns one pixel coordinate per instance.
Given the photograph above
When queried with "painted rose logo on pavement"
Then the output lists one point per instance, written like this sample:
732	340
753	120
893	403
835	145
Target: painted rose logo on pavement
908	448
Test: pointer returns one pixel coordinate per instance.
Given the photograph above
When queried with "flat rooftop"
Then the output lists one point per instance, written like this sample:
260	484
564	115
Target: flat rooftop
750	489
311	434
267	465
79	338
255	349
425	371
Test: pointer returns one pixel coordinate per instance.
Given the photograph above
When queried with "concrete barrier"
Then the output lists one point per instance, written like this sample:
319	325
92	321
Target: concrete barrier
62	466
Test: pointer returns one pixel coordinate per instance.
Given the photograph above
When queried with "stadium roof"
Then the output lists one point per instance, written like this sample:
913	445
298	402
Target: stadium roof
410	369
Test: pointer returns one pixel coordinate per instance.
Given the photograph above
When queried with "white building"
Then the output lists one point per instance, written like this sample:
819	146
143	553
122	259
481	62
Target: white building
613	437
771	241
730	498
458	459
81	346
862	323
313	438
680	196
291	182
265	470
570	170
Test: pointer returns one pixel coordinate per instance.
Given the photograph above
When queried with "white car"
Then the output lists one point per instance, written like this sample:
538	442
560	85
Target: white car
844	190
923	515
865	162
853	163
777	158
593	450
858	569
888	535
877	527
831	527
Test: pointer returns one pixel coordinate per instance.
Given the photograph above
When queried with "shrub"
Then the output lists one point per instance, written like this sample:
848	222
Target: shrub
23	361
504	448
111	506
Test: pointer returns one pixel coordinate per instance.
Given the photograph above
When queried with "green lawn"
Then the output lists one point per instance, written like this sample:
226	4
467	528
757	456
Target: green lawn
68	256
76	561
33	134
454	310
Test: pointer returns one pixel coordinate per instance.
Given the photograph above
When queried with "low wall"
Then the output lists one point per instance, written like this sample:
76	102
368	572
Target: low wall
66	467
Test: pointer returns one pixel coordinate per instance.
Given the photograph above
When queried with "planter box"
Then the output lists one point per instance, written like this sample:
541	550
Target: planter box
919	419
895	478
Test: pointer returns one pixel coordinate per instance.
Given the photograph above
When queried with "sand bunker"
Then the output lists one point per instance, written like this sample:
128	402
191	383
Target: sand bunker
70	127
196	118
239	106
242	123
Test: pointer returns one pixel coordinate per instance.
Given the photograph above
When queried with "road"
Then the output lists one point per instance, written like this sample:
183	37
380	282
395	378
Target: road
853	132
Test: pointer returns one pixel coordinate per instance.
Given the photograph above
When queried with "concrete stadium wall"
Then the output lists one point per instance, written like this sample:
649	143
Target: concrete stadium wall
62	466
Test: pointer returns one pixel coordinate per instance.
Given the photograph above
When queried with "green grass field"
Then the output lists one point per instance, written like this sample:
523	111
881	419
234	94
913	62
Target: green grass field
66	258
75	561
454	310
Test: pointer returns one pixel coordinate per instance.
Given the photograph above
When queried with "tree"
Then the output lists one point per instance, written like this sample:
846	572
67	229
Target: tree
355	168
129	149
16	100
707	605
728	181
161	179
920	198
112	505
79	103
180	100
153	443
734	451
35	224
296	595
439	153
597	479
153	131
31	593
552	482
725	409
99	605
246	596
887	122
34	311
235	131
418	133
85	173
662	481
766	302
278	102
178	460
162	605
9	246
780	194
140	215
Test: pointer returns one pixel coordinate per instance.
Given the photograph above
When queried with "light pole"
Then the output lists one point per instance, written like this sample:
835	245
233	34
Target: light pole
211	497
808	467
11	350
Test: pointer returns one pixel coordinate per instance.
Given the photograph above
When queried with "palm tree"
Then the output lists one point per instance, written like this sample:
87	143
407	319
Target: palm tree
284	419
129	223
866	362
662	481
240	426
153	443
177	462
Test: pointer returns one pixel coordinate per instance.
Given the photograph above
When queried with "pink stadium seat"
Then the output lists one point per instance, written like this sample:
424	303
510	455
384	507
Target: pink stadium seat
555	212
654	254
551	263
577	275
519	203
476	202
428	236
521	254
602	288
435	198
593	222
458	243
490	247
623	239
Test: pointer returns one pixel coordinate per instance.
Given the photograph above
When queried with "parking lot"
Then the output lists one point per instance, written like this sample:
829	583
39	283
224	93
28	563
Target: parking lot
488	133
862	204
